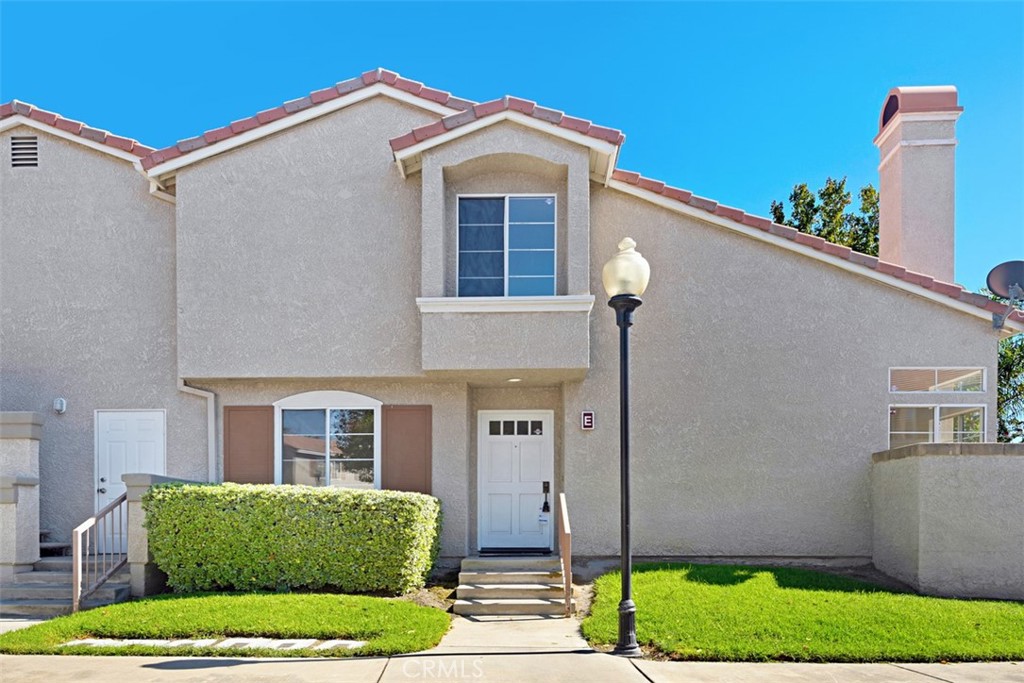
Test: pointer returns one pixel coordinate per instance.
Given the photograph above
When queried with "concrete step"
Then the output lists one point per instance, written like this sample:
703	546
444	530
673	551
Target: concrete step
511	563
65	563
54	548
110	592
510	577
44	608
509	590
533	606
60	577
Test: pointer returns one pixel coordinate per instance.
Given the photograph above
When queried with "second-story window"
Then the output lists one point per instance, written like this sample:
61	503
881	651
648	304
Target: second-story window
506	245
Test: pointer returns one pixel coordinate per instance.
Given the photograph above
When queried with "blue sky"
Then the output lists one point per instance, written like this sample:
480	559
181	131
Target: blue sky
734	101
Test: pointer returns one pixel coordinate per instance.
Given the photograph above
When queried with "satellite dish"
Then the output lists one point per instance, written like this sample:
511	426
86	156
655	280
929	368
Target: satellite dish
1006	280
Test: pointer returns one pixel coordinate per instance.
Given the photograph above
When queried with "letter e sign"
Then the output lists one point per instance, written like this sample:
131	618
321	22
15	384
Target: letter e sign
587	420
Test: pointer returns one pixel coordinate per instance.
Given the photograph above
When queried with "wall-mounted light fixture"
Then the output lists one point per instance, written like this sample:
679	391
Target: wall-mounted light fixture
60	405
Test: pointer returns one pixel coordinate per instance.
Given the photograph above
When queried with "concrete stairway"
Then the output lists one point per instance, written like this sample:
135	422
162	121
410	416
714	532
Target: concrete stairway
46	590
510	585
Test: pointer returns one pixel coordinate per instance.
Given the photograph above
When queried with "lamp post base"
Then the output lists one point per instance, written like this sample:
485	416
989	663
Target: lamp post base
627	645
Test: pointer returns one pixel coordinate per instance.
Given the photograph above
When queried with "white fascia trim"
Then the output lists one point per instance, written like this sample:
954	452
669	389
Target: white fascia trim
579	303
19	120
789	245
599	146
157	191
211	426
942	142
295	119
913	117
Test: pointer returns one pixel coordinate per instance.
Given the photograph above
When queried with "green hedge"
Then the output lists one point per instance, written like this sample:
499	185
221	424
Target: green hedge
209	537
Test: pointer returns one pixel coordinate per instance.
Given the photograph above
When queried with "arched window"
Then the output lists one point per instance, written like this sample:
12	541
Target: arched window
327	438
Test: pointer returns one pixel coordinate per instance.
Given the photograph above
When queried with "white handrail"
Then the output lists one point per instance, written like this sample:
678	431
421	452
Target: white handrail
565	551
102	532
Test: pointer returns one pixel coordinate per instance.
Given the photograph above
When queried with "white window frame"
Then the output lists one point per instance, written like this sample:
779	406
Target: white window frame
506	196
327	400
936	427
984	379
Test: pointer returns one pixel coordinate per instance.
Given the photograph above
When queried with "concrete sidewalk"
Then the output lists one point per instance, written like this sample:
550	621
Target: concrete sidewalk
520	650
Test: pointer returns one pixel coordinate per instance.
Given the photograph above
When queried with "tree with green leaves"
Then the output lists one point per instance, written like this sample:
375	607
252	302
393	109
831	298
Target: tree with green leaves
824	214
1010	392
1011	389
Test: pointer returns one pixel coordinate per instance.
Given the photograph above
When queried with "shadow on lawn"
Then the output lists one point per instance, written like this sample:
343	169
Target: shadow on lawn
734	575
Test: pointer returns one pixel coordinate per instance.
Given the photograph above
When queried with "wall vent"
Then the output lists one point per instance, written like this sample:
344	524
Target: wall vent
24	151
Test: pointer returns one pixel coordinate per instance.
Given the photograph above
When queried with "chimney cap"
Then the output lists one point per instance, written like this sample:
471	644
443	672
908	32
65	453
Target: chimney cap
916	99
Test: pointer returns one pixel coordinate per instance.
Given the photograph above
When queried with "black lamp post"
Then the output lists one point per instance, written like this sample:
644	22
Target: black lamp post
625	278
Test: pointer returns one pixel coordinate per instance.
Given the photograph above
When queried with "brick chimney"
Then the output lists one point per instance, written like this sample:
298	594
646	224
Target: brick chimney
917	142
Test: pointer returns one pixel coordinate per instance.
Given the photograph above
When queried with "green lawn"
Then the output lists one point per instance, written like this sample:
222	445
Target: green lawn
388	626
734	613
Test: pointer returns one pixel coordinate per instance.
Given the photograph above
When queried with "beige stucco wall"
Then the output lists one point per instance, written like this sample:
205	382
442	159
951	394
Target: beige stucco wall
298	255
759	391
87	304
896	520
514	341
949	519
451	437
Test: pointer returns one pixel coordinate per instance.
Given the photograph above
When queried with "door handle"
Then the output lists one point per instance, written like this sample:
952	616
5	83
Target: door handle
101	490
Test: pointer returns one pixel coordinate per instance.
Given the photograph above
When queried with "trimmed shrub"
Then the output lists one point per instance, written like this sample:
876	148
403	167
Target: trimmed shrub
209	537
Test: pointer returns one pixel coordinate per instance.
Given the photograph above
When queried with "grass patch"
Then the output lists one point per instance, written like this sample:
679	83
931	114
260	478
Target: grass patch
389	626
735	613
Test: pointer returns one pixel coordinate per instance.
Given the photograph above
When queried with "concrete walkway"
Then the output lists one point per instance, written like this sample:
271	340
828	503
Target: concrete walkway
516	650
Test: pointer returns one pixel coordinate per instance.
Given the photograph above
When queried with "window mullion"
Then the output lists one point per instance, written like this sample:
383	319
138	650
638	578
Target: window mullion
936	426
505	245
327	447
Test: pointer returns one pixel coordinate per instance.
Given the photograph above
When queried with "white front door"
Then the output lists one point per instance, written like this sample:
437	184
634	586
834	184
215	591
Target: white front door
516	459
127	441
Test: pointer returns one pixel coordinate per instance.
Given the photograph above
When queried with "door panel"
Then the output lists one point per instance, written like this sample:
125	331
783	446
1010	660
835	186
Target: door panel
126	442
514	463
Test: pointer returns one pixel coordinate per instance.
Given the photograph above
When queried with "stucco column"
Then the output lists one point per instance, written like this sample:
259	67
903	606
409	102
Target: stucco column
432	236
578	229
146	577
20	434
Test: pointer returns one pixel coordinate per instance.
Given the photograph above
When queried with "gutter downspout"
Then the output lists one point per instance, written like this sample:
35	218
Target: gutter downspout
211	426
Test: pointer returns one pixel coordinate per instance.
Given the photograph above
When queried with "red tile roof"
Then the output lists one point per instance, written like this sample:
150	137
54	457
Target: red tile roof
15	108
389	78
953	291
507	103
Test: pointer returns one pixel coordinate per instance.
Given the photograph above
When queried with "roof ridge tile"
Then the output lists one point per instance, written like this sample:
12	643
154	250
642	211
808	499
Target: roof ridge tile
77	128
367	78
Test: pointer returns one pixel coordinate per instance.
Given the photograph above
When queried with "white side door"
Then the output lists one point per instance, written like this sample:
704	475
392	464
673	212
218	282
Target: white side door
126	441
515	459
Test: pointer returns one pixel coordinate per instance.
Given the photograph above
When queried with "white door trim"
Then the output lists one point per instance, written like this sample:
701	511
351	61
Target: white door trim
482	419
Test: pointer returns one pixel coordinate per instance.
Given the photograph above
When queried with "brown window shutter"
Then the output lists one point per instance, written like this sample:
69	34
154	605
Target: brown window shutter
407	447
249	444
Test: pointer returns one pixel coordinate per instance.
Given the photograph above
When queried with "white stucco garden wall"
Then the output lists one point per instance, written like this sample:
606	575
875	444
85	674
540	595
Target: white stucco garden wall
949	518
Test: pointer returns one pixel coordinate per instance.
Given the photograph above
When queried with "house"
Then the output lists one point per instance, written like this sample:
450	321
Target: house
381	284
